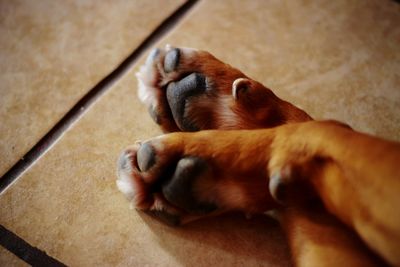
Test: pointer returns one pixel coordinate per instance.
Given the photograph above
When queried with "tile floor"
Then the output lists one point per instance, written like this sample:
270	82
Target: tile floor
9	259
54	52
336	59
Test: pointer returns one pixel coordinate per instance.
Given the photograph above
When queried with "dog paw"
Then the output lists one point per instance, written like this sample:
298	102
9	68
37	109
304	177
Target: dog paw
158	179
189	90
182	86
180	177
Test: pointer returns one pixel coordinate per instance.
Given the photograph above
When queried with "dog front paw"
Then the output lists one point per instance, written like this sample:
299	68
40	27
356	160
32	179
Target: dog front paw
189	90
180	177
158	178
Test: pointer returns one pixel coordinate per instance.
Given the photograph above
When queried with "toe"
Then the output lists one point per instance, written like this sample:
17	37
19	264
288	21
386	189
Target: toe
123	161
171	60
278	185
154	114
153	55
126	182
146	157
288	186
127	160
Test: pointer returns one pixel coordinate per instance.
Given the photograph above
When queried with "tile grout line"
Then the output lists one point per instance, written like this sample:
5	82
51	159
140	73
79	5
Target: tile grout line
80	108
25	251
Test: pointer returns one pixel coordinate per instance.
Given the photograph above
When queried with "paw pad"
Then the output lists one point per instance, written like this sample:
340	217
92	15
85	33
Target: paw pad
146	157
179	190
171	60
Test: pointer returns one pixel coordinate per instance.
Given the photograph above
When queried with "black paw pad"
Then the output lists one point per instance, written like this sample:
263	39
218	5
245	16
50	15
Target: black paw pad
171	60
146	157
179	92
179	189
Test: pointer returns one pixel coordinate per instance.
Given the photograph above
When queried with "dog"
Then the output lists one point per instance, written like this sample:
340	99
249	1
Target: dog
232	144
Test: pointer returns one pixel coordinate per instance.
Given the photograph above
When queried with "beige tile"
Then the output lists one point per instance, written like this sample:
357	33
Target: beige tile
53	52
9	259
323	55
336	59
68	205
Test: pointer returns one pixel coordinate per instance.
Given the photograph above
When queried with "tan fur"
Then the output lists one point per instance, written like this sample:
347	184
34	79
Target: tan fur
356	176
355	190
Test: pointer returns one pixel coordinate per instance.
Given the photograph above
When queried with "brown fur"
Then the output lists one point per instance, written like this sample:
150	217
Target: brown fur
257	108
245	160
354	175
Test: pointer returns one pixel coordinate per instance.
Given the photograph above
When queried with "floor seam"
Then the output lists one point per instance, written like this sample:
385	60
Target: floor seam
81	107
25	251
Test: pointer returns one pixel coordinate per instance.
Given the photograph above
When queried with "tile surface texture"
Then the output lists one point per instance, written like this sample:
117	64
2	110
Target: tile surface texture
9	259
336	59
53	52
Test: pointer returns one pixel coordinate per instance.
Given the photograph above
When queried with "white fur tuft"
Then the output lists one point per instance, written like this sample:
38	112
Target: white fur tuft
125	185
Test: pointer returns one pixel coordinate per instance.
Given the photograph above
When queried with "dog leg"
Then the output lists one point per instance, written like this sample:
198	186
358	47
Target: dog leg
355	175
181	177
233	101
317	238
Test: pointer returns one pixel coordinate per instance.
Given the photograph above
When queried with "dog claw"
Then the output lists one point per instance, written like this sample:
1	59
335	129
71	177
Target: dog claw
288	186
240	85
278	186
